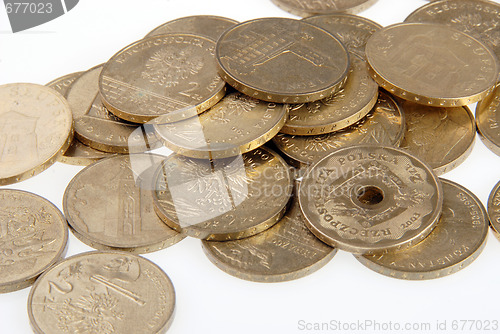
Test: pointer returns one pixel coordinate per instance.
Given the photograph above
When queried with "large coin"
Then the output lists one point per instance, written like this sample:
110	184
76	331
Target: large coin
33	236
431	64
352	30
102	292
368	199
314	7
442	137
109	205
161	75
235	125
36	128
203	25
494	209
282	60
456	242
284	252
488	120
336	112
223	199
384	125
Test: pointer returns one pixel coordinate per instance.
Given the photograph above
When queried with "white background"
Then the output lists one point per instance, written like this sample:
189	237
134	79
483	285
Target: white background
208	300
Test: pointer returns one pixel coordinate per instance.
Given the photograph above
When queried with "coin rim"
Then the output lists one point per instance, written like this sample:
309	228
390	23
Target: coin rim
485	138
495	229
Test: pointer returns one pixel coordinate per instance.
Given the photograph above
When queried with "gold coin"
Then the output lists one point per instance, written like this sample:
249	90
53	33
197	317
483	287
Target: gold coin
33	236
96	127
336	112
456	242
203	25
282	60
36	128
109	205
352	30
223	199
285	252
235	125
366	199
313	7
488	120
102	292
161	75
431	64
62	84
494	210
384	125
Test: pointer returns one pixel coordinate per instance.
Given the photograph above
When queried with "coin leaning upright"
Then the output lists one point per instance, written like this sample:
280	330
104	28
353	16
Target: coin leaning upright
488	120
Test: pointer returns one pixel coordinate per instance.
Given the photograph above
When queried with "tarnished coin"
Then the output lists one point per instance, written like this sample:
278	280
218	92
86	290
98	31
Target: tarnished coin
223	199
285	252
442	137
96	127
62	84
36	128
161	75
431	64
235	125
494	210
384	125
102	292
456	242
282	60
352	30
33	236
109	205
367	199
336	112
488	120
203	25
314	7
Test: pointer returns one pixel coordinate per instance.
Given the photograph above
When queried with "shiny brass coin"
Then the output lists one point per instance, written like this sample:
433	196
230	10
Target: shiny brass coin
203	25
431	64
338	111
442	137
285	252
33	236
313	7
366	199
488	120
102	292
36	128
384	125
62	84
223	199
161	75
96	127
282	60
352	30
235	125
109	205
494	210
456	242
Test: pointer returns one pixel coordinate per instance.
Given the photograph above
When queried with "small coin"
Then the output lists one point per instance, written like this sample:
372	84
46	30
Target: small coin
456	242
313	7
102	292
384	125
366	199
62	84
235	125
442	137
33	236
282	60
203	25
352	30
96	127
223	199
488	120
494	210
109	205
431	64
161	75
36	128
336	112
285	252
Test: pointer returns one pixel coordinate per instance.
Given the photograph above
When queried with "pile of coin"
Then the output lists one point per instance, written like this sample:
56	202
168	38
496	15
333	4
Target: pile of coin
291	139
